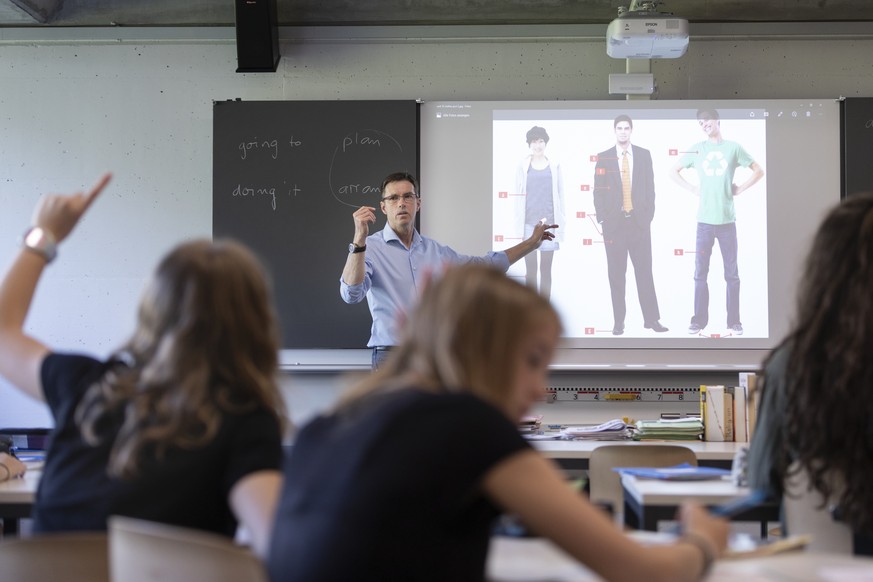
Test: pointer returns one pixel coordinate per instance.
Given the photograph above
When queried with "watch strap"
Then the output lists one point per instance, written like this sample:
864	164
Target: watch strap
41	242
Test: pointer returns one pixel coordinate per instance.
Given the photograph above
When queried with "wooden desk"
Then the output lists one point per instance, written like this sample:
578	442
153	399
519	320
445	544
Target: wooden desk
17	498
575	454
516	560
648	501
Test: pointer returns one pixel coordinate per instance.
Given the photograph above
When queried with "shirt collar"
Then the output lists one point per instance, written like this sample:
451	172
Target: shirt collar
630	150
388	234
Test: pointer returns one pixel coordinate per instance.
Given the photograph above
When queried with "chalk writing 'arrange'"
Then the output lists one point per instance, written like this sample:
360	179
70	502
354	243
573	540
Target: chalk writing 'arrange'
268	192
271	146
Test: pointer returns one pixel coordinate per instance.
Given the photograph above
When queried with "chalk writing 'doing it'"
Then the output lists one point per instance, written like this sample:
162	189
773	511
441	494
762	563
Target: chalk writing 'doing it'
269	192
256	192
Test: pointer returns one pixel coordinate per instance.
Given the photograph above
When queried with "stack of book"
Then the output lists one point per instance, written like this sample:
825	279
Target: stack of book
680	429
530	424
729	413
611	430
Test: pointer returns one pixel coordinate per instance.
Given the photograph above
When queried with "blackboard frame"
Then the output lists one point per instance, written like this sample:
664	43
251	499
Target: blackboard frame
287	176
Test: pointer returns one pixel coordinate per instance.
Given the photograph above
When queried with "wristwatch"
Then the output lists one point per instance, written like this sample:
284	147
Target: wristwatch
353	248
41	242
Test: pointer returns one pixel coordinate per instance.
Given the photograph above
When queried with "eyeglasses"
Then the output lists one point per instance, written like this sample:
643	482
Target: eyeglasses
395	198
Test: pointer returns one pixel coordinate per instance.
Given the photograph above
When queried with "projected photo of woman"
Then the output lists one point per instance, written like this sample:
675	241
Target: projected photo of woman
539	180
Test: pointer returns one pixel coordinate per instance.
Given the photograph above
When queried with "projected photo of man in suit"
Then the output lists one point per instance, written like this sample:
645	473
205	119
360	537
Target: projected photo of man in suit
624	202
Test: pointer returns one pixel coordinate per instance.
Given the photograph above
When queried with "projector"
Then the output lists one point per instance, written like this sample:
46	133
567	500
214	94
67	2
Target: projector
635	36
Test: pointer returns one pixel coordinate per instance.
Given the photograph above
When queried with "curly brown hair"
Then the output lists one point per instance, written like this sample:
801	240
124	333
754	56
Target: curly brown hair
206	340
828	416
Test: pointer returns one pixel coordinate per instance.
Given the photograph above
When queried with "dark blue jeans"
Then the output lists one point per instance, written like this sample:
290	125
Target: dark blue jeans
726	235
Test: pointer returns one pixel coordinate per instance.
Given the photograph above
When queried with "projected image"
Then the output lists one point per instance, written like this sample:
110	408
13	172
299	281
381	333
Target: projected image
662	214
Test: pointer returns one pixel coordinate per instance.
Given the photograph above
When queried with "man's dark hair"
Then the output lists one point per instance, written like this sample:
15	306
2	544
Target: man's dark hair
399	177
621	118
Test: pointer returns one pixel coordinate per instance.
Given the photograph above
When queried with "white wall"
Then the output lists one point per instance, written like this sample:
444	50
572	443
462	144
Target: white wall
77	102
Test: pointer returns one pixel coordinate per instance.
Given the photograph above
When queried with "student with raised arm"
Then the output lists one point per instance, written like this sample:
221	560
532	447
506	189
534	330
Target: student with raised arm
404	479
183	423
389	267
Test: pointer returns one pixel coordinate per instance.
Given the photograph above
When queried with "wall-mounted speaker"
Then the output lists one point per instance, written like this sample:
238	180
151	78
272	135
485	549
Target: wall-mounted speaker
257	36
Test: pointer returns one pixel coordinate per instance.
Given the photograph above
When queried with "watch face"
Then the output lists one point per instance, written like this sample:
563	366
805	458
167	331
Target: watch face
352	247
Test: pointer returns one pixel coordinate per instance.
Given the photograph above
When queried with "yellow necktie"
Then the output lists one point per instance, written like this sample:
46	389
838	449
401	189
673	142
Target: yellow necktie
626	203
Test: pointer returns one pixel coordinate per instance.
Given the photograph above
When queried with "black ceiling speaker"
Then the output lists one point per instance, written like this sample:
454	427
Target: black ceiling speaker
257	36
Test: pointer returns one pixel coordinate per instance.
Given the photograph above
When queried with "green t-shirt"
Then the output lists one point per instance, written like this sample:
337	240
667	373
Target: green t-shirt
715	164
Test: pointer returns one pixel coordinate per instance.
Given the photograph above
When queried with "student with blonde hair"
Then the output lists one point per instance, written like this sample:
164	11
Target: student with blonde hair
404	479
183	423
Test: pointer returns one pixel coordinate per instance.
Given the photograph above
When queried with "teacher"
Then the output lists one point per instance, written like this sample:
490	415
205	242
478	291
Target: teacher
390	267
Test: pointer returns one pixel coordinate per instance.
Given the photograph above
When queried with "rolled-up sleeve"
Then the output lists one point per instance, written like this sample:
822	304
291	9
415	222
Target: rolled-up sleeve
354	293
357	293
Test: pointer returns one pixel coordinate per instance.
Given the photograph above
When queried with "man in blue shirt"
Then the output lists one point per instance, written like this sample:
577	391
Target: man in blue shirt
387	267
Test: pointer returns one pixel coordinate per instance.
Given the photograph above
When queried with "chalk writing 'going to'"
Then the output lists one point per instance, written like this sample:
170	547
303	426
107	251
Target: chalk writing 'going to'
272	146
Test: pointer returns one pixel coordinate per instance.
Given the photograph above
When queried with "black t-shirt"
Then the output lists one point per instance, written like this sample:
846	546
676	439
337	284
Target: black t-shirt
189	488
390	490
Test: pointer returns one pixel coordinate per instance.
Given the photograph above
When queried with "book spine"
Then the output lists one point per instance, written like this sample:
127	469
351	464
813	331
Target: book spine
703	409
752	400
728	404
741	417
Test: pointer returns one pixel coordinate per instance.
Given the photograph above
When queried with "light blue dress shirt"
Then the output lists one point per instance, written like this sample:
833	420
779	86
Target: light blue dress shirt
393	276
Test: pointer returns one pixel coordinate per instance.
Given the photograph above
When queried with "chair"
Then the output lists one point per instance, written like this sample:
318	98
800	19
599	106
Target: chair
146	551
71	557
803	513
605	484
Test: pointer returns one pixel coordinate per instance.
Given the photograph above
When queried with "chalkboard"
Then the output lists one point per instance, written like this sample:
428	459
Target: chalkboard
287	176
857	116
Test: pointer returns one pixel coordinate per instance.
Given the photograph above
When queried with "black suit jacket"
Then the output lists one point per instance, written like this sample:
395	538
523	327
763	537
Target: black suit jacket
607	187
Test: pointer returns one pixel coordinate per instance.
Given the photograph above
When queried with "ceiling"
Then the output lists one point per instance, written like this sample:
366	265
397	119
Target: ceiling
96	13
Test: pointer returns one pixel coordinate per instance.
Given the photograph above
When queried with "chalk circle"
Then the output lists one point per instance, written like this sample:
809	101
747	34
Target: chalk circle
360	161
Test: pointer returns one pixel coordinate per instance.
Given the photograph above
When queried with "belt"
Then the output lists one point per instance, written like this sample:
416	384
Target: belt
383	348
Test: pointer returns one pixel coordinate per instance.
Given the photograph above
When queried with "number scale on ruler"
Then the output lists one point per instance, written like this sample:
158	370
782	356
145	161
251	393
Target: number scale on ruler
622	394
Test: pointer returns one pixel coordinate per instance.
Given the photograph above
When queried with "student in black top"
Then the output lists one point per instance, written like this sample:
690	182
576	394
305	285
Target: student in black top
183	423
404	479
814	410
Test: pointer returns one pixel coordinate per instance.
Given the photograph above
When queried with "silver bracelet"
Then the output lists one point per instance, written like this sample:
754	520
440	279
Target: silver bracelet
705	548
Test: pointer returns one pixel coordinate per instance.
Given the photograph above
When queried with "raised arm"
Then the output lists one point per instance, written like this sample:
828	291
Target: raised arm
526	484
354	270
541	232
54	218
